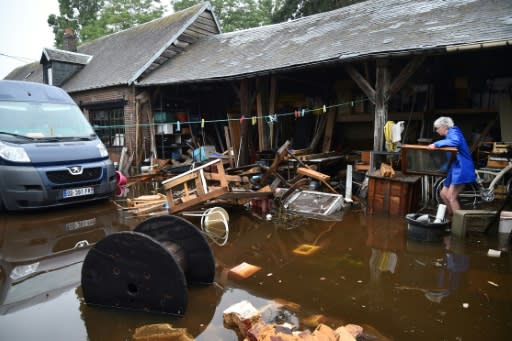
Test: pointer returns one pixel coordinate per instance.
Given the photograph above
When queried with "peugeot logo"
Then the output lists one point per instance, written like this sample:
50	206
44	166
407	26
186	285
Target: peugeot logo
75	170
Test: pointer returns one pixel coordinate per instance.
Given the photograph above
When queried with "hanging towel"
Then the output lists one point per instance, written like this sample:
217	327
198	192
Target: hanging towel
396	132
388	135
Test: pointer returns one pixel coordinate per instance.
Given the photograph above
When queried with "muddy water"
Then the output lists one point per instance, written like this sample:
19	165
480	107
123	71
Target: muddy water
359	269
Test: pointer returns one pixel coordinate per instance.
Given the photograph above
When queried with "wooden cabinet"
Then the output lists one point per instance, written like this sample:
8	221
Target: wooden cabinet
396	195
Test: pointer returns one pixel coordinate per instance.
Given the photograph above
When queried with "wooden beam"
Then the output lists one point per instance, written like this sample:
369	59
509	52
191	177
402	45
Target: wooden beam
381	103
272	108
361	82
404	75
329	129
245	110
313	174
262	110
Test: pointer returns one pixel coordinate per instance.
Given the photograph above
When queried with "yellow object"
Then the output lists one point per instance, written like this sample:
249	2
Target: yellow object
306	249
388	135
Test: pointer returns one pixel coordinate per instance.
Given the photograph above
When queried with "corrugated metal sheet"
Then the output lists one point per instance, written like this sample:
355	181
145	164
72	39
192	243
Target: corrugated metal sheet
371	28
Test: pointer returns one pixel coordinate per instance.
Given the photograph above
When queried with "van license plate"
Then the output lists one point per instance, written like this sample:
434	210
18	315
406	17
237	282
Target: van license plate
77	192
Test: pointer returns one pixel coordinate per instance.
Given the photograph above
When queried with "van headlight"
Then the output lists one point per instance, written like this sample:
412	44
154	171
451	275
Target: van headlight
102	149
13	153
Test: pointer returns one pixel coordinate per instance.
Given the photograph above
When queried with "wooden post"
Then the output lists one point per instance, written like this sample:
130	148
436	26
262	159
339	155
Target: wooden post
272	107
381	103
384	89
262	111
243	157
329	128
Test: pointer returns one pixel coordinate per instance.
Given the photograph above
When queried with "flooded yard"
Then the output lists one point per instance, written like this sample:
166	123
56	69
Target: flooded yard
359	268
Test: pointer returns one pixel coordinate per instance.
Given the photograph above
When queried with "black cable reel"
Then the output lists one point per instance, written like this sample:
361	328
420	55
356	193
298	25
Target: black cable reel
149	268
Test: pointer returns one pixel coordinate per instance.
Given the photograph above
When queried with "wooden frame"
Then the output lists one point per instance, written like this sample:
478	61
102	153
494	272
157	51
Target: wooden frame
192	187
418	159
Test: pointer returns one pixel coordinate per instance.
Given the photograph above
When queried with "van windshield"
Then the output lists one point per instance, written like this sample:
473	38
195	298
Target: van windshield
43	120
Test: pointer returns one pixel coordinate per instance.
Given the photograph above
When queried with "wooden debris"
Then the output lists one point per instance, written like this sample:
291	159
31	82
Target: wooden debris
144	204
244	270
192	187
160	332
241	317
323	178
387	170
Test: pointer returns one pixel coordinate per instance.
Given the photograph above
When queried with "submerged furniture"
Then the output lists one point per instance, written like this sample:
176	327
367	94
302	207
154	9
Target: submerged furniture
396	195
418	159
429	163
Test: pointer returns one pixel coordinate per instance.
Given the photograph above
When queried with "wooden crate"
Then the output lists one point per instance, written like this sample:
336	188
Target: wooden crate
396	195
497	162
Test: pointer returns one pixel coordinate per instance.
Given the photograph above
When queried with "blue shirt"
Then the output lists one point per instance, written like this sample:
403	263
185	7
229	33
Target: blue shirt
462	169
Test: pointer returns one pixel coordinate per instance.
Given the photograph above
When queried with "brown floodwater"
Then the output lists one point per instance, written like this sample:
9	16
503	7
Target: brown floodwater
362	269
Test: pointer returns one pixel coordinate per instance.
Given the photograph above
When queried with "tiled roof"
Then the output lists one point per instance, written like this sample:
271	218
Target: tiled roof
120	57
66	56
32	72
366	29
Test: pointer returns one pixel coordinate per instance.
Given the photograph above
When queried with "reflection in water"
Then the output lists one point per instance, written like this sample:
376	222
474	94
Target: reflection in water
41	253
363	270
122	323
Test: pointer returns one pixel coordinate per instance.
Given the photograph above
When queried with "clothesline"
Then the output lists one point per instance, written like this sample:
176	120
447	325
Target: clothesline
269	119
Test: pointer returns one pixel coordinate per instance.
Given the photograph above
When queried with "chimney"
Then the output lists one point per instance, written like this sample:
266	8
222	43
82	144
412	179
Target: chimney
69	40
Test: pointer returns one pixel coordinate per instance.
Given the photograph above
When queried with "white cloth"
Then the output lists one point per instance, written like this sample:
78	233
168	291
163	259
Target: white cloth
396	131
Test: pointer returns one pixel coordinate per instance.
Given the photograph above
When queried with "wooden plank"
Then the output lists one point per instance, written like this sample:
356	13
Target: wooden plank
192	170
222	174
217	177
313	174
329	130
281	154
234	131
229	147
179	180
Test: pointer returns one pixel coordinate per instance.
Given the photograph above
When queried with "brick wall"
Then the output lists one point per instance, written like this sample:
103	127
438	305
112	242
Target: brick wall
112	94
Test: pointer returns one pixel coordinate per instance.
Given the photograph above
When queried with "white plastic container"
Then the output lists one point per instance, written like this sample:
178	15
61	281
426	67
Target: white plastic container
505	225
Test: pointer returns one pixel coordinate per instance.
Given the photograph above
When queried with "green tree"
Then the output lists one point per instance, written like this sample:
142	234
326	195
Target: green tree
237	14
91	19
292	9
241	14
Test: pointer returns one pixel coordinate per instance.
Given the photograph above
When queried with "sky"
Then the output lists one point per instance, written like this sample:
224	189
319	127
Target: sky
24	31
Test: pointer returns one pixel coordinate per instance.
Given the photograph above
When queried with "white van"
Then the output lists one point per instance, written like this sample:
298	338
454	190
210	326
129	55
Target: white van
49	154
